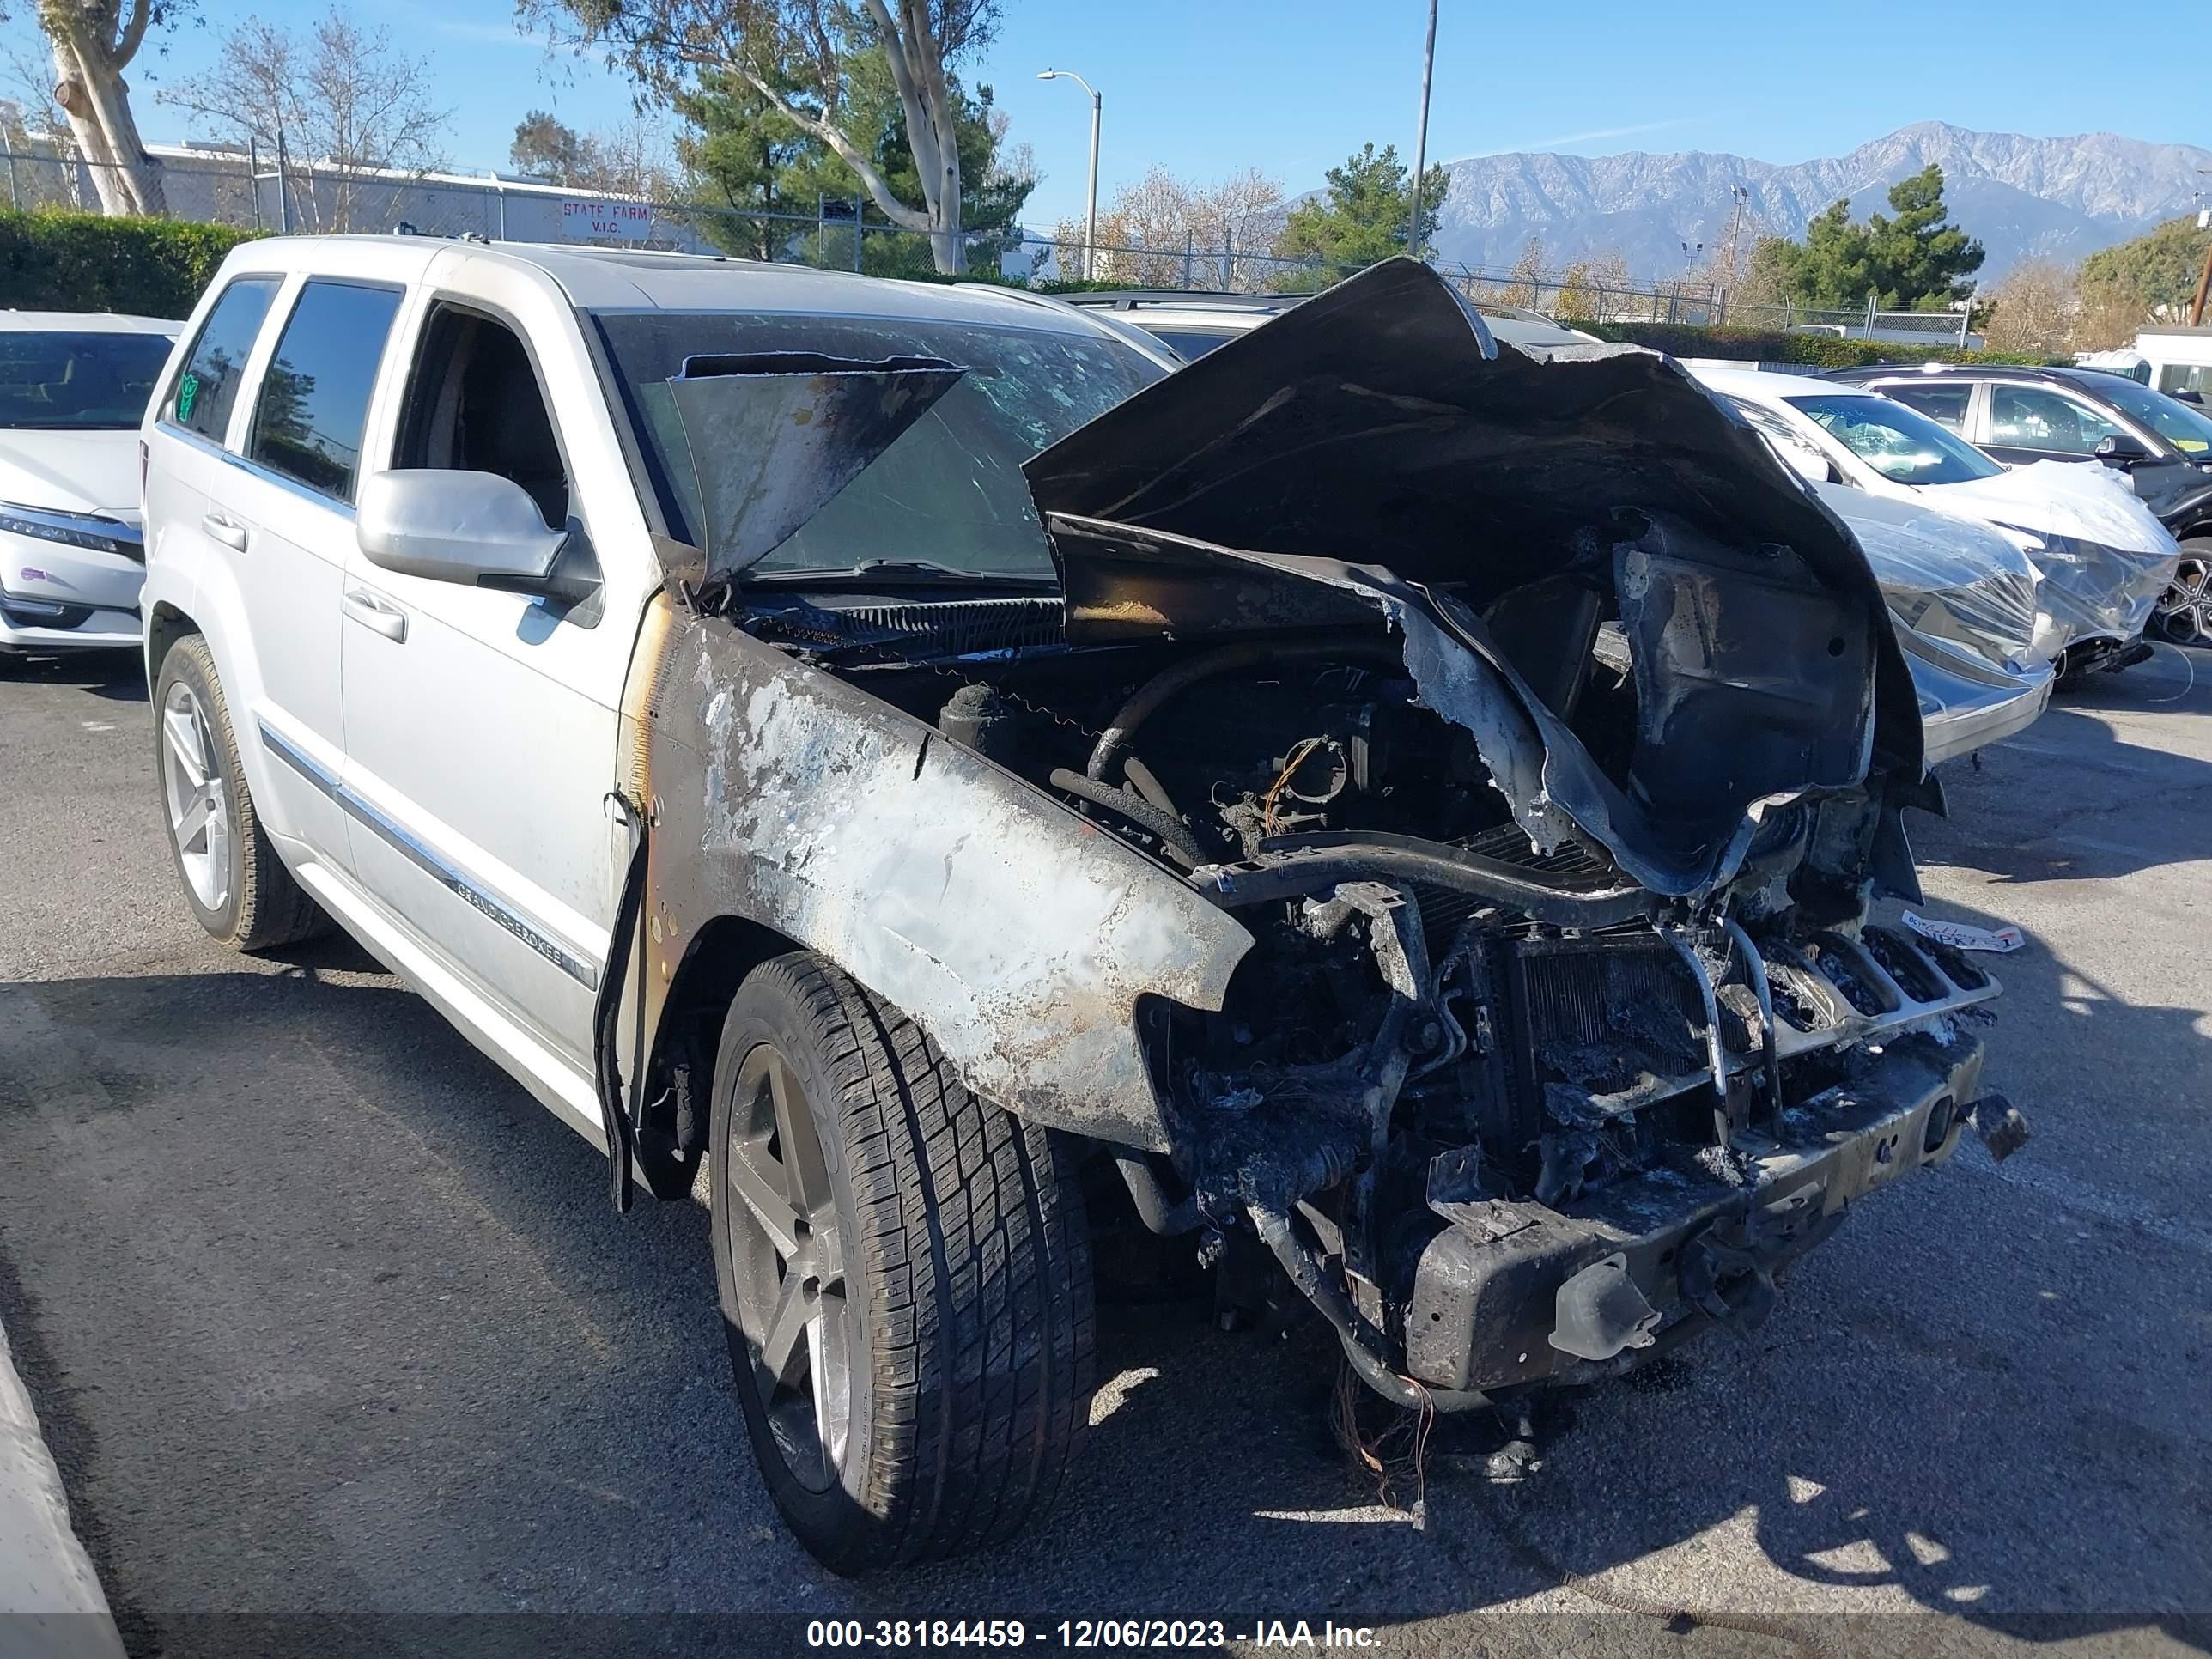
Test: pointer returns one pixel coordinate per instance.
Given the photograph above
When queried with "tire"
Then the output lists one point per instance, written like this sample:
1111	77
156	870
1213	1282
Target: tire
947	1320
2183	615
237	886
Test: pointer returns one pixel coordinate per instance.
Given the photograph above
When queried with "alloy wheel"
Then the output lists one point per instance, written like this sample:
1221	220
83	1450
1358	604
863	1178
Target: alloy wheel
790	1270
198	802
2184	609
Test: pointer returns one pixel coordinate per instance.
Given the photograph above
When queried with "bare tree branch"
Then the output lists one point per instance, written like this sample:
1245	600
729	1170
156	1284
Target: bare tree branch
134	32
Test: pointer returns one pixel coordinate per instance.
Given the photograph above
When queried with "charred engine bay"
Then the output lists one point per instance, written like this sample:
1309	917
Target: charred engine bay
1532	746
1437	1010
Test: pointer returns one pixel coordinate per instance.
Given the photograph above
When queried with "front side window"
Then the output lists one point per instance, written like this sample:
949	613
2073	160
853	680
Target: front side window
52	381
2029	417
2187	429
1946	406
1900	443
474	405
201	400
951	489
314	399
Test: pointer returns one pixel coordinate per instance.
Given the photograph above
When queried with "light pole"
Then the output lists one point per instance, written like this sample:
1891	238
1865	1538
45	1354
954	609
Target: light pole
1090	210
1742	196
2204	281
1421	139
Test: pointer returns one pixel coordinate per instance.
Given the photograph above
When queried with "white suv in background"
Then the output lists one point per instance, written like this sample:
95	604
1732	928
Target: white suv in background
73	389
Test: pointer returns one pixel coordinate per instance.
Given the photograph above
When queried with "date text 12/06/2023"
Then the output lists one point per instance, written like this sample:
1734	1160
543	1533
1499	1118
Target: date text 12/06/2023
1085	1634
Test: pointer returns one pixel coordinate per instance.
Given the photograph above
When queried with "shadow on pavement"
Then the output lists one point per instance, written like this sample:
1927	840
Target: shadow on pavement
337	1318
2072	798
118	676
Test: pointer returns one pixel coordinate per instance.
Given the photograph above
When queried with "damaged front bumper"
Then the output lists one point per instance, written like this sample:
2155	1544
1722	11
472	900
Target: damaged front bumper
1517	1293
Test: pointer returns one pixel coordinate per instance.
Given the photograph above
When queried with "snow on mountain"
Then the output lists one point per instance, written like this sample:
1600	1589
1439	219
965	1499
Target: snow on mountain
2063	198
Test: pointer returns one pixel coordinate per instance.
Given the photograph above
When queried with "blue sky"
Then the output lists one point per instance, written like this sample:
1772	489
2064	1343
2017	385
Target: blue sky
1209	87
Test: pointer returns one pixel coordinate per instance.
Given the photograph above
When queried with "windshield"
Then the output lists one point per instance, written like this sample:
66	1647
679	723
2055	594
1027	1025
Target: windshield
2185	428
951	490
78	382
1899	443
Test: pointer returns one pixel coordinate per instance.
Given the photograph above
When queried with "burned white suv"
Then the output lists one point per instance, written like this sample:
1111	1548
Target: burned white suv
1406	812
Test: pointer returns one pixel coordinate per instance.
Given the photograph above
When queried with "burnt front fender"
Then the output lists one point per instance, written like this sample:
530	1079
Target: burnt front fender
1016	934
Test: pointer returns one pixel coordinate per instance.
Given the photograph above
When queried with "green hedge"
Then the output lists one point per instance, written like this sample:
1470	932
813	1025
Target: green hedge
59	261
1774	345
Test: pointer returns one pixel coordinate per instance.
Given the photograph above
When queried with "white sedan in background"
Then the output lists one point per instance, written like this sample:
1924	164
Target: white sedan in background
2102	558
74	387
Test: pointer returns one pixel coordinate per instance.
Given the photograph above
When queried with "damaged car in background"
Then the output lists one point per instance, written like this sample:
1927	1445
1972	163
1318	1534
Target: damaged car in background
2102	558
1406	813
1964	597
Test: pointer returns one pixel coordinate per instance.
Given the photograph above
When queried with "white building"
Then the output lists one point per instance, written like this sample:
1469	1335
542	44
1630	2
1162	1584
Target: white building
2180	359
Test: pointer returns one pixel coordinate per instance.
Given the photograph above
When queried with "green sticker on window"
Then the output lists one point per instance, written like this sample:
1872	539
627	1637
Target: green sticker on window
188	391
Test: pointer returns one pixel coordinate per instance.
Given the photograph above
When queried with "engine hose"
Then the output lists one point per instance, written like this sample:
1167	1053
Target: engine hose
1273	1227
1145	702
1139	777
1153	1209
1173	833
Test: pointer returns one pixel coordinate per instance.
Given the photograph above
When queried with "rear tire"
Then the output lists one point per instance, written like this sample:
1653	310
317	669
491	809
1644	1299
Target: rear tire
236	884
904	1272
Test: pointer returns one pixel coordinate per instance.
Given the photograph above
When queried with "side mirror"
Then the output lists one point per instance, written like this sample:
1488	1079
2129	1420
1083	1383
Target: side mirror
2119	450
475	528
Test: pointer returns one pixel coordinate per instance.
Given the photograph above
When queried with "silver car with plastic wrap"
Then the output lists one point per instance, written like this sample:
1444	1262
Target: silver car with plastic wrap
2101	558
898	761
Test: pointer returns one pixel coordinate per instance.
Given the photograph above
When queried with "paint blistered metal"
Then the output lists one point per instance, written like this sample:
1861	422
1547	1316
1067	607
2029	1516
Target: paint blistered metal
1016	934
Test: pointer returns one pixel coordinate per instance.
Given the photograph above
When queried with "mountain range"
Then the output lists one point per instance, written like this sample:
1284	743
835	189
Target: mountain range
2059	197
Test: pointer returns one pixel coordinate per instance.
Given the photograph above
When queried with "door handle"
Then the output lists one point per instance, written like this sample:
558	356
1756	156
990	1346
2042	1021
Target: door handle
227	531
370	612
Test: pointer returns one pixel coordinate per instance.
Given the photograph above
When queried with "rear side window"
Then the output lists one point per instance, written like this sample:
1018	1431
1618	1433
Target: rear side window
1946	406
314	399
204	392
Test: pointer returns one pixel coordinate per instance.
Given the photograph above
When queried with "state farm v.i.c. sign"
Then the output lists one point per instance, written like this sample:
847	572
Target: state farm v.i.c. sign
606	222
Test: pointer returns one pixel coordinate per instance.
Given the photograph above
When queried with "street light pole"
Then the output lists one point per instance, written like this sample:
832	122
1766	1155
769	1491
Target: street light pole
2204	281
1421	139
1090	208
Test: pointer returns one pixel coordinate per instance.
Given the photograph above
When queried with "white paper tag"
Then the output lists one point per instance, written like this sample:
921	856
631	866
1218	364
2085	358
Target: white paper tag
1960	937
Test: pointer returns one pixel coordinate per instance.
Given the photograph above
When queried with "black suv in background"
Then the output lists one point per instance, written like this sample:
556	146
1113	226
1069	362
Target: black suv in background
2021	415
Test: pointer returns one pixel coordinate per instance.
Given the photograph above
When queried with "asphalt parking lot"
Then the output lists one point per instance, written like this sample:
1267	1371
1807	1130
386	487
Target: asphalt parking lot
324	1315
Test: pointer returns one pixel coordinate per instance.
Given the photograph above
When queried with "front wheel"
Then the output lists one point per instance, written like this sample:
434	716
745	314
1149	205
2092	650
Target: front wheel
904	1272
2184	614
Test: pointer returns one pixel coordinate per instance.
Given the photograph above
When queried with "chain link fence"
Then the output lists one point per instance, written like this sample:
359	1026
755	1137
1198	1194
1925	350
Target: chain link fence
1865	322
1232	269
256	189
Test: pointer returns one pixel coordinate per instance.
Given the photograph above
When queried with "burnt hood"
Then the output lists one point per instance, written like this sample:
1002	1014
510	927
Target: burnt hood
1375	450
1379	423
